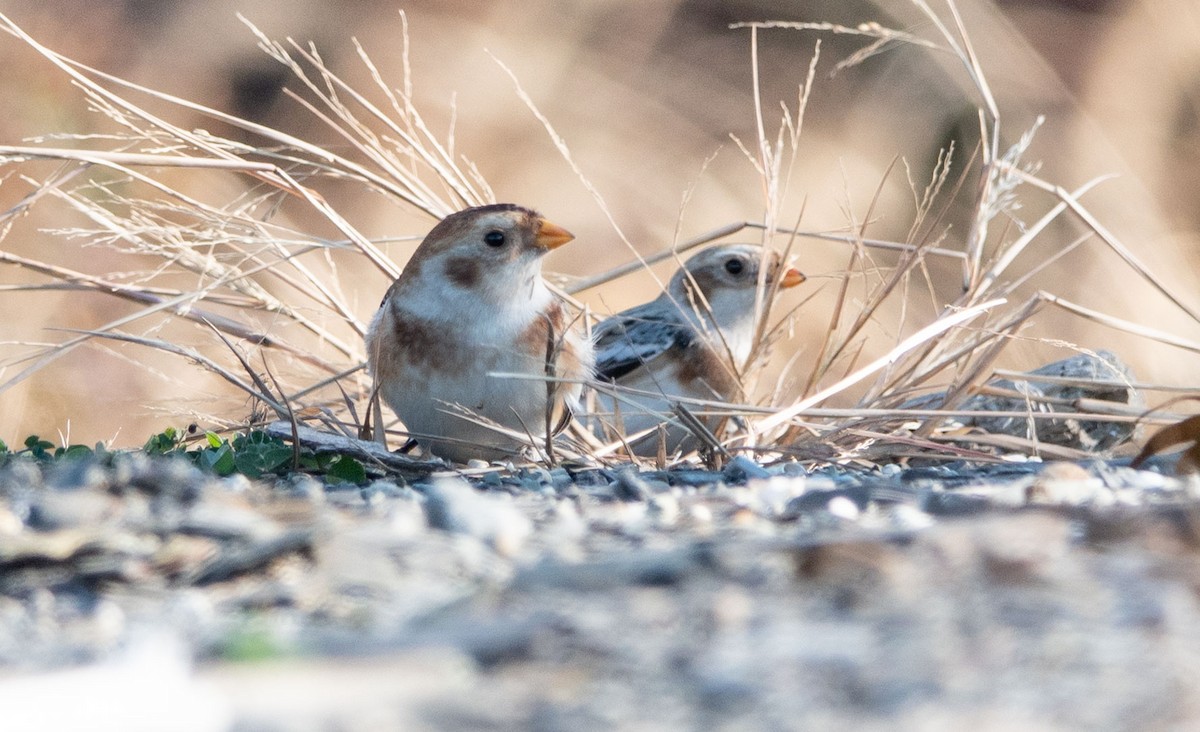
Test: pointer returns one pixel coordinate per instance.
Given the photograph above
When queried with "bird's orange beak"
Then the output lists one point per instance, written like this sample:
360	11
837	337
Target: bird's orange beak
791	278
552	236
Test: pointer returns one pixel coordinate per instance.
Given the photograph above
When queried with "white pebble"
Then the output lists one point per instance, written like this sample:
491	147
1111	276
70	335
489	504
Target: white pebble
843	508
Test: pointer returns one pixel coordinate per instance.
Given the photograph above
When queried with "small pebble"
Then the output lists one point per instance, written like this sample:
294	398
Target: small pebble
1067	484
1023	548
843	508
776	492
696	478
560	479
453	505
57	509
10	524
405	518
539	476
664	509
821	483
591	478
741	469
628	518
78	474
372	497
236	483
532	483
302	485
172	477
909	518
791	469
629	486
567	522
731	608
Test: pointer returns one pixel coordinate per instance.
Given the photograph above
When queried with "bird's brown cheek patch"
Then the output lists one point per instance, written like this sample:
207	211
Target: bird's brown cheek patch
705	280
463	272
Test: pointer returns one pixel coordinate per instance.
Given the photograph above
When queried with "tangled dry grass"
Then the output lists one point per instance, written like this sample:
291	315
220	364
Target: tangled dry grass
230	282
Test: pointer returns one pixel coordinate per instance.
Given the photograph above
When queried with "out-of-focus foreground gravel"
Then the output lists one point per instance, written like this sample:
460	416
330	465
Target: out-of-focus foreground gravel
150	596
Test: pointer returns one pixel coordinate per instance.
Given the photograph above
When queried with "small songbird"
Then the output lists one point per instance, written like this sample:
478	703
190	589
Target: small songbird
469	307
692	341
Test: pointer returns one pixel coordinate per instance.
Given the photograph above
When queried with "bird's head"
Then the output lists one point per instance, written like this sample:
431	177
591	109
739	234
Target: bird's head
728	277
493	253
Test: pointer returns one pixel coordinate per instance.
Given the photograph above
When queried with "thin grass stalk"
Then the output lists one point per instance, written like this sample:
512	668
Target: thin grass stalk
1009	253
238	279
188	353
1112	242
645	262
922	336
1121	324
140	296
276	177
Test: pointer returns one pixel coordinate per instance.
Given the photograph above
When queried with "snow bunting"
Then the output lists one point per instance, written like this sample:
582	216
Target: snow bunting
692	342
469	306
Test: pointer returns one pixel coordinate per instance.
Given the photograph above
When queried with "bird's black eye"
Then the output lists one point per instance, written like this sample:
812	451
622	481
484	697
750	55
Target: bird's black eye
494	238
734	266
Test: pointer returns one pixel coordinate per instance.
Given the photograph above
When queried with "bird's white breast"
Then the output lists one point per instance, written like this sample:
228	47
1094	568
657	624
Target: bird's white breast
486	341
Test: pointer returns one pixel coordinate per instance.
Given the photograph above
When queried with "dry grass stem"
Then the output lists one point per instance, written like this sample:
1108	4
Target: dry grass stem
254	276
247	271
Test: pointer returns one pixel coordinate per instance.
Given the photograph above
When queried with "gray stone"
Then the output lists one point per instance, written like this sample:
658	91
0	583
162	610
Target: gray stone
741	469
630	486
453	505
1070	432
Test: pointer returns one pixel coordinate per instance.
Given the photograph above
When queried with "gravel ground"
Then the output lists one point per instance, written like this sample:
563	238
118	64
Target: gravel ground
1039	596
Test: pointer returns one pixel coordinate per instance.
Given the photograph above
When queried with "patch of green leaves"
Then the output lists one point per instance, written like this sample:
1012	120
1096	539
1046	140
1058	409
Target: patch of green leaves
256	453
344	469
216	456
167	442
44	451
253	454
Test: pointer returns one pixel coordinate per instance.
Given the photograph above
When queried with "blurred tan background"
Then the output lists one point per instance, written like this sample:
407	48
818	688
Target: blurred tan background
644	94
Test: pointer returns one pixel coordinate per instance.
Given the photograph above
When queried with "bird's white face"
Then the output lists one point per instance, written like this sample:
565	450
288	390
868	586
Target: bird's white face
729	278
487	262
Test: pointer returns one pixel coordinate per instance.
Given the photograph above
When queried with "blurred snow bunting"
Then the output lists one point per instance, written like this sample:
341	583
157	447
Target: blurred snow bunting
692	341
469	306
